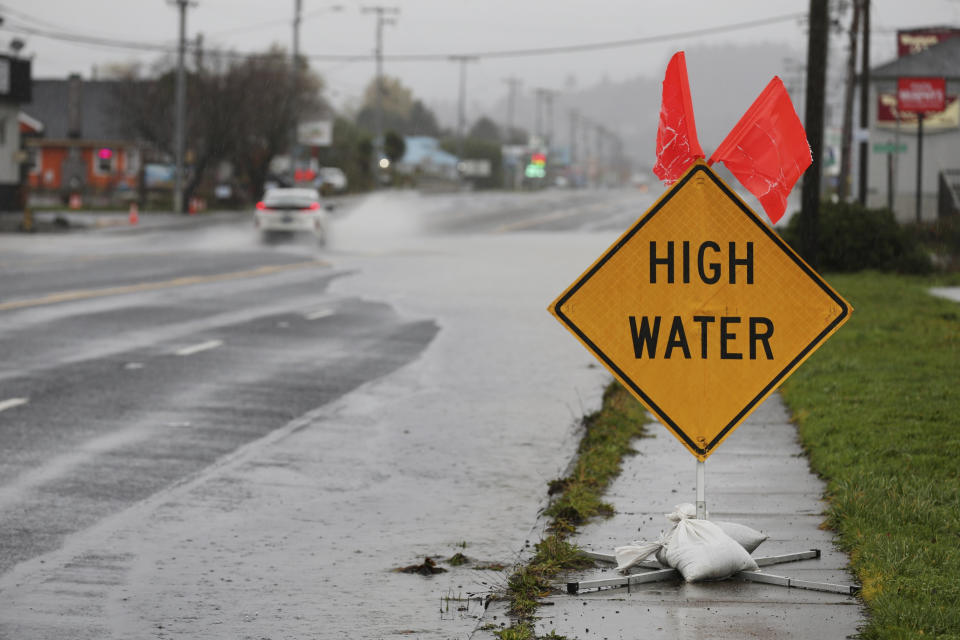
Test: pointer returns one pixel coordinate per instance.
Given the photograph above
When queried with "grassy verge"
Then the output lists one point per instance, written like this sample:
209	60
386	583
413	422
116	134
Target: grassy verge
878	409
577	498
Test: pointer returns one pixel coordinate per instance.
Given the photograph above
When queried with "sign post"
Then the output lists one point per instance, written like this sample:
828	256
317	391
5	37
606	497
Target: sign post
919	205
701	311
921	96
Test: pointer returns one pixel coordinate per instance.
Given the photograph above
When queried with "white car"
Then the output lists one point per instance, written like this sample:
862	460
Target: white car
332	180
290	211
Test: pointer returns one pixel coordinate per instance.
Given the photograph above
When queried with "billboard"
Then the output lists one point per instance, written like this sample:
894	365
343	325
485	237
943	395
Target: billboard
317	133
921	95
887	115
911	41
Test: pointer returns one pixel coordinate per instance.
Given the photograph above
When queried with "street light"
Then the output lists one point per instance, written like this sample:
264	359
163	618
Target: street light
378	93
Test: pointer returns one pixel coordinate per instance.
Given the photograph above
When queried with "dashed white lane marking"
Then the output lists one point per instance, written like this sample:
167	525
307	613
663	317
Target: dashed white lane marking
13	402
196	348
320	313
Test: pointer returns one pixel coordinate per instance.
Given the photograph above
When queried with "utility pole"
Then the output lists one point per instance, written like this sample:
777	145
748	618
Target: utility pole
864	101
847	131
294	152
816	81
462	106
512	83
574	121
198	53
585	126
382	19
181	110
547	96
598	139
538	114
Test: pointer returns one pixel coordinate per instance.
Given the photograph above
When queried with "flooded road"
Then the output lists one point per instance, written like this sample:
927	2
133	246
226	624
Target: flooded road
409	398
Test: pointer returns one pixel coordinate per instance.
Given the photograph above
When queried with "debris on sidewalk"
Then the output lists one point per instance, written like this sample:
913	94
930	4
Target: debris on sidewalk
429	567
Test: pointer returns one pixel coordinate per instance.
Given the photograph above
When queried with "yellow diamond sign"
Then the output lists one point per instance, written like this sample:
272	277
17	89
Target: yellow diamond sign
700	310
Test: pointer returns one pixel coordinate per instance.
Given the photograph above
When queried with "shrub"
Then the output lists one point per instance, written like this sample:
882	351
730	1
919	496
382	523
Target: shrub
942	237
853	237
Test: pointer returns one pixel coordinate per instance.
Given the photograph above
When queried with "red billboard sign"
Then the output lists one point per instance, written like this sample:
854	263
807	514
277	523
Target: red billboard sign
921	95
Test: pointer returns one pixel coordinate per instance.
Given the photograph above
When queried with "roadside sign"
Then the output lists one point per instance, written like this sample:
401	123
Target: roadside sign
889	147
316	133
474	168
700	310
921	95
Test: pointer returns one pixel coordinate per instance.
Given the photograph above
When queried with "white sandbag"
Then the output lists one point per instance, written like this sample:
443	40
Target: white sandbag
631	554
748	537
700	550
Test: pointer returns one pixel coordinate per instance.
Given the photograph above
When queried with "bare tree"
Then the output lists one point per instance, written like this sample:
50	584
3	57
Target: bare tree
241	111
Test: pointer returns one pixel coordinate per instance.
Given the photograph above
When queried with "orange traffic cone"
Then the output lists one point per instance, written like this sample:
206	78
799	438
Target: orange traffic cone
75	202
134	216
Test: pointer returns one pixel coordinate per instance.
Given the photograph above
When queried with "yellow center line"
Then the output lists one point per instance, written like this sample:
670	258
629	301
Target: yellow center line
85	294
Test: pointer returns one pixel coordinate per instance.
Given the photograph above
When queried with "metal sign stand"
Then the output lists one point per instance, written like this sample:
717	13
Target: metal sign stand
654	572
701	490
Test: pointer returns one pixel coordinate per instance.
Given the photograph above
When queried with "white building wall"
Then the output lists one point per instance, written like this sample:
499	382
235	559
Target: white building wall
941	150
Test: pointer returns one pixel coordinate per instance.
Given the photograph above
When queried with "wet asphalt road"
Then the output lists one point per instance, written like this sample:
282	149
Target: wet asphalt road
132	361
126	394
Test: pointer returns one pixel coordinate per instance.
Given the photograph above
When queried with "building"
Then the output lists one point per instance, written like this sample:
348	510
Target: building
80	148
892	168
425	161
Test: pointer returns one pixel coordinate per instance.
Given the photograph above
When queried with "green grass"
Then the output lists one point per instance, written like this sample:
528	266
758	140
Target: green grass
606	440
878	411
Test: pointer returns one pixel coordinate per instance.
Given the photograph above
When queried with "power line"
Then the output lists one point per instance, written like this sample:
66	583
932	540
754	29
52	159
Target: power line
94	40
28	17
422	57
613	44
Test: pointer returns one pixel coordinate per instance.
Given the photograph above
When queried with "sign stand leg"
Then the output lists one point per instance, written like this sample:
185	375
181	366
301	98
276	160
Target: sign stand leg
701	490
655	573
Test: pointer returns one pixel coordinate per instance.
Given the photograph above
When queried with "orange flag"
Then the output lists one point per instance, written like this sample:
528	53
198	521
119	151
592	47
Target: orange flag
677	145
768	150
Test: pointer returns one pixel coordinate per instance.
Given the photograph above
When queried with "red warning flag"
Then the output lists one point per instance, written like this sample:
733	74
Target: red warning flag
677	145
768	150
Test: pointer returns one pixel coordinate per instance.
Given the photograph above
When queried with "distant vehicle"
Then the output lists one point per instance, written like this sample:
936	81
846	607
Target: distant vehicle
290	211
331	180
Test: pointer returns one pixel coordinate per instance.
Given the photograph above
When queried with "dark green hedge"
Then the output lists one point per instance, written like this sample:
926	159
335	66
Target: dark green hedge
852	238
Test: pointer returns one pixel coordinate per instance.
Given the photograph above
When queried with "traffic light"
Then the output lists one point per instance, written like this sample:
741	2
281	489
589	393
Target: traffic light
537	168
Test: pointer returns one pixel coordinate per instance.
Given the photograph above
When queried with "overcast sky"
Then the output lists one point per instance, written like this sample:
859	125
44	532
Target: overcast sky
454	27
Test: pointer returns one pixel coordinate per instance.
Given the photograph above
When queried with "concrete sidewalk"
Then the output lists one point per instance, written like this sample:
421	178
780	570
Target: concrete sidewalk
950	293
758	477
